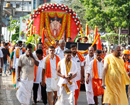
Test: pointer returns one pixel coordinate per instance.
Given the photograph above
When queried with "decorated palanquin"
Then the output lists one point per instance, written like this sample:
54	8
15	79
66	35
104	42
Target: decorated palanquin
54	22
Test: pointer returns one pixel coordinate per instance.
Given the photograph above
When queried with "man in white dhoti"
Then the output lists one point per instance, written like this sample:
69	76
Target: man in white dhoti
60	49
78	58
26	64
67	71
49	66
89	89
17	53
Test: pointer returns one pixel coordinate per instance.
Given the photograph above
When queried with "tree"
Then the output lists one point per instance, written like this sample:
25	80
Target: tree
16	35
14	24
114	38
79	8
108	15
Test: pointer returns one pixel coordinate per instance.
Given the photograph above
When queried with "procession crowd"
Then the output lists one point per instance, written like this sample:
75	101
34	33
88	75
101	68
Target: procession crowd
61	71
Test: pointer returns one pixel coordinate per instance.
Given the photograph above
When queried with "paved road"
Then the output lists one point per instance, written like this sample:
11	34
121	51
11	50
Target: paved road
8	97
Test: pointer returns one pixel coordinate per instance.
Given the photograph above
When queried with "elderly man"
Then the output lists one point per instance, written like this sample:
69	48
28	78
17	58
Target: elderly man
26	64
40	46
60	49
89	90
115	78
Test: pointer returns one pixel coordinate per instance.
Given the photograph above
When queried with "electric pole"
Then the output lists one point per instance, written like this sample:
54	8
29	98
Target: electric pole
1	14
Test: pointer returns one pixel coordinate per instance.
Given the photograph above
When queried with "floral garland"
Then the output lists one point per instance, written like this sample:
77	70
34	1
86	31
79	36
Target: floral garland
68	25
53	14
41	23
49	35
59	15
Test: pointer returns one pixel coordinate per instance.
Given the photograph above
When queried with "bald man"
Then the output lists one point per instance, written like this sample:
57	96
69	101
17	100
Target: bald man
60	49
115	79
89	90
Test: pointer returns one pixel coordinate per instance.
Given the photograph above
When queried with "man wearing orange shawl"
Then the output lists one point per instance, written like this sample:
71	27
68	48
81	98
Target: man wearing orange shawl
115	79
125	57
49	66
11	66
95	70
67	71
17	53
78	59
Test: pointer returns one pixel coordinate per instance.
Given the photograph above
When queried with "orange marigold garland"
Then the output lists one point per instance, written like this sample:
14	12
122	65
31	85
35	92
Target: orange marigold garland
68	25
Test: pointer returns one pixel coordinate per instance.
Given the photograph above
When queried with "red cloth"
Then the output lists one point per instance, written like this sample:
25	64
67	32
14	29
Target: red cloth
95	33
97	89
87	30
99	46
96	82
77	92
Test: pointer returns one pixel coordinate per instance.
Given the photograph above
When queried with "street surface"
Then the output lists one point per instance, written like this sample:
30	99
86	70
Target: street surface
8	97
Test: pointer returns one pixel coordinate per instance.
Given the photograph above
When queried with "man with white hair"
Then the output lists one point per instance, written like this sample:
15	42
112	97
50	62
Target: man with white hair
60	49
89	90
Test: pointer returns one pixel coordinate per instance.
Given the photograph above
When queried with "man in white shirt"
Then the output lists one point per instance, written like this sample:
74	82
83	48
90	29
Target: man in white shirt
67	71
38	79
79	60
18	51
95	70
89	90
60	49
49	67
1	60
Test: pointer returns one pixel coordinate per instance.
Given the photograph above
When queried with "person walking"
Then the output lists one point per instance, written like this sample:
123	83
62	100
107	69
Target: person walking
95	69
6	53
115	79
67	71
26	65
38	79
49	66
1	60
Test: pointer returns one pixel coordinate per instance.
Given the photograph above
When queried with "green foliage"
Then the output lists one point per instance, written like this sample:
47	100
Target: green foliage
108	15
16	35
114	38
13	24
78	8
34	39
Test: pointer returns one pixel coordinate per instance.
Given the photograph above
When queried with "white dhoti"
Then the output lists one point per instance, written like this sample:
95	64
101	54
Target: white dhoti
23	93
51	84
65	99
89	92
